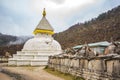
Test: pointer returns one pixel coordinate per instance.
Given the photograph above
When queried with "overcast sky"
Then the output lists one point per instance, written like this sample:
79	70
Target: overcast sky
20	17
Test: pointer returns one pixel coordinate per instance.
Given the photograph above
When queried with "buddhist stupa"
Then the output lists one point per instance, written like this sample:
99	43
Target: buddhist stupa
36	51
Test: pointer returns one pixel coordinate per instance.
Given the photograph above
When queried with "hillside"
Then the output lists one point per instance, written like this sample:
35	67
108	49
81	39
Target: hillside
11	44
102	28
5	39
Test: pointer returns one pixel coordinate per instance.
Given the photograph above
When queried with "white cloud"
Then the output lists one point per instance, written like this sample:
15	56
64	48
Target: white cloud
7	25
60	14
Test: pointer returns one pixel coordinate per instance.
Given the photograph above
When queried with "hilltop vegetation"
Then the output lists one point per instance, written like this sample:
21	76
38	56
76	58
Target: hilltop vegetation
102	28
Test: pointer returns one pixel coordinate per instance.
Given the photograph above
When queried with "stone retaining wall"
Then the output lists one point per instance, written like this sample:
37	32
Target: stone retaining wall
98	68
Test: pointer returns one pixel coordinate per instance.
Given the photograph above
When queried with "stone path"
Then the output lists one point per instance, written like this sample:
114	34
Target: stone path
28	73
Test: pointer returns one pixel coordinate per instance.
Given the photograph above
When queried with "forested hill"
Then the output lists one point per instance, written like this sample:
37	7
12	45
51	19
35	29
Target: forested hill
11	44
7	40
102	28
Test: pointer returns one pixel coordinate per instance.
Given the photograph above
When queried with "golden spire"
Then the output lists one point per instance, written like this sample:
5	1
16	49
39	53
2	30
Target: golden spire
44	12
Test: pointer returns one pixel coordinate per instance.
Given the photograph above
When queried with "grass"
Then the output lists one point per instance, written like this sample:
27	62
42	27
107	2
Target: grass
30	68
65	76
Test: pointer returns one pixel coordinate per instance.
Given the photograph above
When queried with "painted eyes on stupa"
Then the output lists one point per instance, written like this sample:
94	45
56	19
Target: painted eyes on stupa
47	42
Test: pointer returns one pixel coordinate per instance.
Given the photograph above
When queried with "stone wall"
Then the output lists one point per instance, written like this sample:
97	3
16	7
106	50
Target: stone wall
97	68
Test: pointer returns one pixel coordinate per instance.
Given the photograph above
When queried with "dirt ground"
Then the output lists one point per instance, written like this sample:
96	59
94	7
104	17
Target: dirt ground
26	73
4	77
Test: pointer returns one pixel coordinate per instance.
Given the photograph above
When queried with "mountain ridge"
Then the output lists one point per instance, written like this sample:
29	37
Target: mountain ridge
102	28
7	40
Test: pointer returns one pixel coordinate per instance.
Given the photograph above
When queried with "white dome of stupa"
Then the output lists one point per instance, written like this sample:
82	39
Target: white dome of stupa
44	44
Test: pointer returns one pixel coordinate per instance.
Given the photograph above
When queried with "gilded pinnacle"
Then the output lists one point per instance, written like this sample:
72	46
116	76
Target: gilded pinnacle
44	13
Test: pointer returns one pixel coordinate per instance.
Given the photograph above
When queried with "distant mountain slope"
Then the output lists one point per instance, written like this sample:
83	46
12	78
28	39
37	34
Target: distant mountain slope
7	40
104	27
11	44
